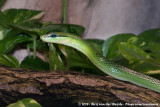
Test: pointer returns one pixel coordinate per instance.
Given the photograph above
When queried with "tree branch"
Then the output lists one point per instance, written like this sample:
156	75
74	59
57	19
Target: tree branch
58	88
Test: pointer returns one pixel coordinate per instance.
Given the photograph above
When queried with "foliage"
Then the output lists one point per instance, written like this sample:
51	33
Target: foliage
2	2
55	60
34	63
9	60
21	28
7	44
141	51
27	102
110	46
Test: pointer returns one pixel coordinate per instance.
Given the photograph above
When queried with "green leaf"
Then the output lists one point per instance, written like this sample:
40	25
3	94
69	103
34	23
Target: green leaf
77	61
153	49
137	41
27	102
147	67
21	16
97	43
3	33
2	3
55	60
5	22
69	28
9	60
133	53
40	45
34	64
24	29
8	44
74	29
150	35
110	46
150	46
143	40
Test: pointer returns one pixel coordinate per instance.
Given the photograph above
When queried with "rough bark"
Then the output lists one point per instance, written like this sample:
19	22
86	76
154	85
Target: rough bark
68	88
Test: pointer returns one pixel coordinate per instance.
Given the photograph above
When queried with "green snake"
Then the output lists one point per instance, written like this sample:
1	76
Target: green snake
108	67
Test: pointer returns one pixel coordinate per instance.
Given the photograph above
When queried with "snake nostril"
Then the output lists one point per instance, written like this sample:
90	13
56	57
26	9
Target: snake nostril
45	36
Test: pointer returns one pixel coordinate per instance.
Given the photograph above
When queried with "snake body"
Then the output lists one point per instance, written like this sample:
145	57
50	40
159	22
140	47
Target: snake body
108	67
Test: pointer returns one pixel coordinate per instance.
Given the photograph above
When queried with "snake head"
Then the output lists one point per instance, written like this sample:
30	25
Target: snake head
51	35
54	37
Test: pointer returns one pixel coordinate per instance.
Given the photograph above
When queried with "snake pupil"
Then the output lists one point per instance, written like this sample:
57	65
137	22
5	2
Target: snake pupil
53	35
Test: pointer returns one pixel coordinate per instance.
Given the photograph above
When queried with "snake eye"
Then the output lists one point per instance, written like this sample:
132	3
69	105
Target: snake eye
53	35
